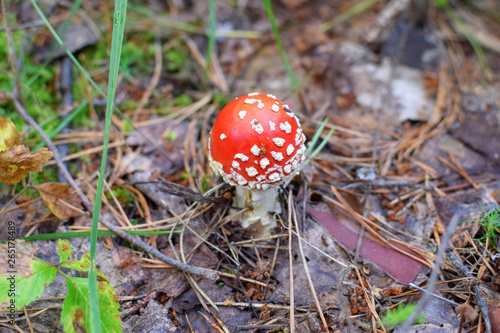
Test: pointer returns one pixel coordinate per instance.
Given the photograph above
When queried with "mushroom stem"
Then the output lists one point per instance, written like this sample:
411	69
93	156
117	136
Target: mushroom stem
265	204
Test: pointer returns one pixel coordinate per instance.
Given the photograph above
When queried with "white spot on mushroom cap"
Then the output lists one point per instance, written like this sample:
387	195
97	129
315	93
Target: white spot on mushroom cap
254	93
257	126
275	108
235	165
241	180
299	137
253	100
261	178
255	150
287	168
217	167
242	114
279	141
272	96
286	127
272	125
264	163
252	172
274	177
241	156
290	149
277	156
223	136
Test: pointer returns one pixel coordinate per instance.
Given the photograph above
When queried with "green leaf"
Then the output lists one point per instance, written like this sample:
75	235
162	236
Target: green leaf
24	286
83	265
75	310
399	315
64	249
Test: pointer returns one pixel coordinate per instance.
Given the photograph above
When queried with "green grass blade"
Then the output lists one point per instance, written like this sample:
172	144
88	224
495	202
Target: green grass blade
62	32
316	136
114	66
322	144
68	52
347	14
65	121
100	233
211	31
288	67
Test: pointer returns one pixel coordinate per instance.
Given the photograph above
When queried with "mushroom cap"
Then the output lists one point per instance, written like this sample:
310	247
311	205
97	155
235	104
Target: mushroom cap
256	142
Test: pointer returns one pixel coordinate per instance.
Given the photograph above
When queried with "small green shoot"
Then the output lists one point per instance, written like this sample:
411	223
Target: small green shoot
399	315
314	140
490	221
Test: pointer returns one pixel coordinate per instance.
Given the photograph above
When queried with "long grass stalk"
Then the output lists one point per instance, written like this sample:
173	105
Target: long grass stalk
114	66
284	57
212	17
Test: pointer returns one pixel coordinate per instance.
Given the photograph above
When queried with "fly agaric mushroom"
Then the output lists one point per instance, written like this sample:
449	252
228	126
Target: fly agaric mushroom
256	143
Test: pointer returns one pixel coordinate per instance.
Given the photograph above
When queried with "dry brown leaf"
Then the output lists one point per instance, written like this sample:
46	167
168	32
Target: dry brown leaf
24	256
8	134
17	161
61	202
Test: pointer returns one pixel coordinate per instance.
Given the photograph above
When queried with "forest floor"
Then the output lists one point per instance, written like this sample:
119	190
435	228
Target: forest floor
392	226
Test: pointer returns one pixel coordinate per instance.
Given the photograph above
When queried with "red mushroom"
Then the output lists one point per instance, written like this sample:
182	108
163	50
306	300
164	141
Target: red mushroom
256	143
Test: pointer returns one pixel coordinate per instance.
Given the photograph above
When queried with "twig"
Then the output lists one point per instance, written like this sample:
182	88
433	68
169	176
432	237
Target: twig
135	241
480	301
12	55
306	270
290	257
413	285
154	80
344	306
434	275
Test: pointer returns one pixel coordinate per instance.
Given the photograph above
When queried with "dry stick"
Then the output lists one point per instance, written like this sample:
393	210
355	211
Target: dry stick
290	257
306	270
434	276
12	55
154	80
135	241
480	301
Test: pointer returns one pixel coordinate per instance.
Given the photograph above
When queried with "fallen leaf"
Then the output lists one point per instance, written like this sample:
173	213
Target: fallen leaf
24	255
8	134
61	202
17	161
403	268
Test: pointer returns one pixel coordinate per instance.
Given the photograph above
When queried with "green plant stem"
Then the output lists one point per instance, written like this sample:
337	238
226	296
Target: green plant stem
288	67
65	121
347	14
100	233
211	32
68	52
116	48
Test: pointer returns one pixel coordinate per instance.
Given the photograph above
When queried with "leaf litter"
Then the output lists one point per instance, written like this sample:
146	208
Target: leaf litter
372	208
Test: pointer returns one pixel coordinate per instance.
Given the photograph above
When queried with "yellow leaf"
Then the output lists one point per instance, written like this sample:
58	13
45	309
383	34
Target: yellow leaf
17	161
8	134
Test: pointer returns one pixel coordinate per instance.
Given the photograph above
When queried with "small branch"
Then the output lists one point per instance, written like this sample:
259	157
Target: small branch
433	277
203	272
12	54
480	301
306	268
